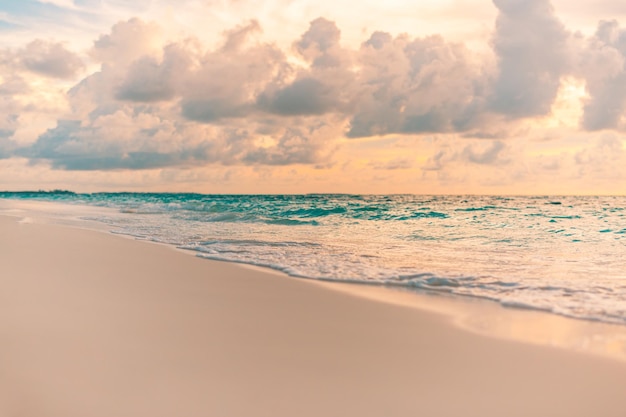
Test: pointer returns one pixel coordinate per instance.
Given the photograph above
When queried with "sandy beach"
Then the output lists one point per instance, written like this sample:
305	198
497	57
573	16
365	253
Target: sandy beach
93	324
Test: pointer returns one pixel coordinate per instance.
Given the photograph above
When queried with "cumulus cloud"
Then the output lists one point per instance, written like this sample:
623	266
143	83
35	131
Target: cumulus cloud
131	139
227	81
238	36
128	41
533	51
415	86
151	80
326	86
8	124
134	66
32	80
117	141
13	84
486	156
180	106
296	145
604	68
50	59
303	96
474	152
320	43
45	58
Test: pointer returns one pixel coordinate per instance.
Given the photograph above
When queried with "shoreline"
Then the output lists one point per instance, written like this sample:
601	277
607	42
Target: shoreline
478	315
94	324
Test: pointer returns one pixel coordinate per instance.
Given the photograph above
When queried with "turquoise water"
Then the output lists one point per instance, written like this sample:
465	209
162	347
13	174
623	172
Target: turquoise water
565	255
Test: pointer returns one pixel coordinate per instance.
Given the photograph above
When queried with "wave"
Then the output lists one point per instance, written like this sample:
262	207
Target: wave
313	212
470	209
506	293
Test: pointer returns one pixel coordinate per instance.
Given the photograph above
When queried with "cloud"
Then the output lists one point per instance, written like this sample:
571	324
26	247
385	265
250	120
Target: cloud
603	66
211	110
325	86
103	145
134	66
605	158
296	145
127	42
13	84
8	125
147	81
227	81
50	59
33	80
489	156
151	80
415	86
45	58
305	96
533	51
179	106
395	164
449	156
131	139
238	36
320	43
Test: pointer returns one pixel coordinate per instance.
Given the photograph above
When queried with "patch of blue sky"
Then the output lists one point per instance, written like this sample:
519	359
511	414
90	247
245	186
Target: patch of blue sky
31	13
4	25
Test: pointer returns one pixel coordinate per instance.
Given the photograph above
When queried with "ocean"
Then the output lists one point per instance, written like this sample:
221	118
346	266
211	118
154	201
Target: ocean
563	255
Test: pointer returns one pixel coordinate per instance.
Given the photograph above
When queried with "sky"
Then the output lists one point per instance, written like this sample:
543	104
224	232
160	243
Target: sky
314	96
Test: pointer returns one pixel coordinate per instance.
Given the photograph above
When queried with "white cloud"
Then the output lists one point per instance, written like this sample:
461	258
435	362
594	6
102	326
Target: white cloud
603	65
534	52
50	59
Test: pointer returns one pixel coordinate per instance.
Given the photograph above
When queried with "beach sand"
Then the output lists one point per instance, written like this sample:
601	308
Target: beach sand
93	324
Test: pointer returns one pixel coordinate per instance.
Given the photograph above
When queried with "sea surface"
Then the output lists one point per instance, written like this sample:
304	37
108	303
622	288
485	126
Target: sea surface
565	255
